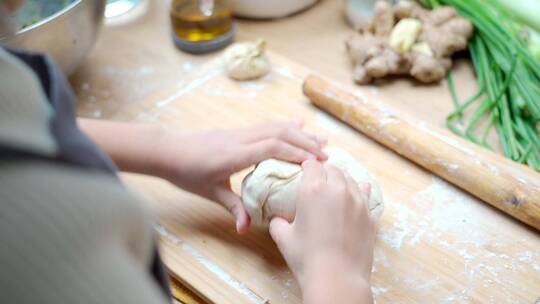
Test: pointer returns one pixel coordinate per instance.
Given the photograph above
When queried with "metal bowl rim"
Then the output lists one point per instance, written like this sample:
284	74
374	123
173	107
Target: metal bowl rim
48	19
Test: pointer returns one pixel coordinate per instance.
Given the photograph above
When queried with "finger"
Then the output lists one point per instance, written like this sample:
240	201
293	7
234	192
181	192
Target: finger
233	204
270	148
289	132
322	141
303	140
335	175
314	173
354	188
280	231
268	130
311	136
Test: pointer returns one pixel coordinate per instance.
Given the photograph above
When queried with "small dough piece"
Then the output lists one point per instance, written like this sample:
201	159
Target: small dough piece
270	190
246	60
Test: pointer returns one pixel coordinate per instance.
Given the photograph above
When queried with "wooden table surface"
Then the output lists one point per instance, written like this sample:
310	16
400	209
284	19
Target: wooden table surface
134	61
133	58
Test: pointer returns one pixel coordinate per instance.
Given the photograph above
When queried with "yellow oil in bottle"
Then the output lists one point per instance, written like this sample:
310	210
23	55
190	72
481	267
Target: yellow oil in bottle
201	20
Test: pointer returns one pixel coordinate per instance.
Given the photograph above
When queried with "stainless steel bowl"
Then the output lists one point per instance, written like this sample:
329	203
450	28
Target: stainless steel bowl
67	35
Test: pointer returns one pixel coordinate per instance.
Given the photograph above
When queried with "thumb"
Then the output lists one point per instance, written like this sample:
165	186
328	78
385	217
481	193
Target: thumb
280	231
233	203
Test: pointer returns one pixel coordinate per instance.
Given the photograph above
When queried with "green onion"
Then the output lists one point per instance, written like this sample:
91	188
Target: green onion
533	41
524	11
508	75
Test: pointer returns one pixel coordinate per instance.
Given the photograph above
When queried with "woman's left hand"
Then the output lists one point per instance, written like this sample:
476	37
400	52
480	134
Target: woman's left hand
203	163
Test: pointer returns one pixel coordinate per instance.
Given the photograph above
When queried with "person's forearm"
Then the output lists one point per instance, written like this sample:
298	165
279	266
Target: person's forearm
330	283
132	146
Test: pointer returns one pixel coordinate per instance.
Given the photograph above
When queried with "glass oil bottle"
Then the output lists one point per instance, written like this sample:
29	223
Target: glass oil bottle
201	26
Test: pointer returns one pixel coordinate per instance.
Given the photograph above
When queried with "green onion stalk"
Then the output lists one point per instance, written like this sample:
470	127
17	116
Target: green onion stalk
508	76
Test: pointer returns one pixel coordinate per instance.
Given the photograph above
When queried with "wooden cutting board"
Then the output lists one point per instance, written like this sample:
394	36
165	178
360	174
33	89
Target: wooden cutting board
435	244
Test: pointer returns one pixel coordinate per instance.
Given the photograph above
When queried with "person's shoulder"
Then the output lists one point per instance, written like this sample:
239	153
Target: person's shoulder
34	60
47	71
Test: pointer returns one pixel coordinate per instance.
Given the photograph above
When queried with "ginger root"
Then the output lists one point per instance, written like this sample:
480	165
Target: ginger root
407	39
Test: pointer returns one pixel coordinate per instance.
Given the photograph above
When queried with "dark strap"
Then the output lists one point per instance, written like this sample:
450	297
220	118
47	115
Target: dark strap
75	148
160	274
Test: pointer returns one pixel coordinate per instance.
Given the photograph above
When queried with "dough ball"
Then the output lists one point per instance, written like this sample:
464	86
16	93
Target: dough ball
270	190
246	60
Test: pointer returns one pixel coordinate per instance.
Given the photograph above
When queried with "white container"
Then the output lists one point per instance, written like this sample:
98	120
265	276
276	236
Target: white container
358	12
266	9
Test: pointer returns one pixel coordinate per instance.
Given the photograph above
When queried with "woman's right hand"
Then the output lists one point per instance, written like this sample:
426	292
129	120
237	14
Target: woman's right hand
329	245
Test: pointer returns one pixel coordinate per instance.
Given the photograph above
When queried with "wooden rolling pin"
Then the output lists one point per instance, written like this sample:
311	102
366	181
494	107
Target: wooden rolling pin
508	186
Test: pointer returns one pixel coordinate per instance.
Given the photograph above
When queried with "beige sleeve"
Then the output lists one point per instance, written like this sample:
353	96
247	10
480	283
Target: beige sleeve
24	110
70	236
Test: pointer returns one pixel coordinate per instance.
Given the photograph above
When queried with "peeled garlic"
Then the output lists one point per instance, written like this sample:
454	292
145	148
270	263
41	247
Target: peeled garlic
404	34
422	47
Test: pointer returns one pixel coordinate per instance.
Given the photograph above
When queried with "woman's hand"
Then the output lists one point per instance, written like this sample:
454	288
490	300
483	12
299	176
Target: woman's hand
203	162
329	246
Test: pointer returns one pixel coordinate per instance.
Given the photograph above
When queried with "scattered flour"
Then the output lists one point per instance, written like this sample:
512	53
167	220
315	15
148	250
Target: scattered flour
440	215
188	66
253	87
286	72
378	290
184	88
444	217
